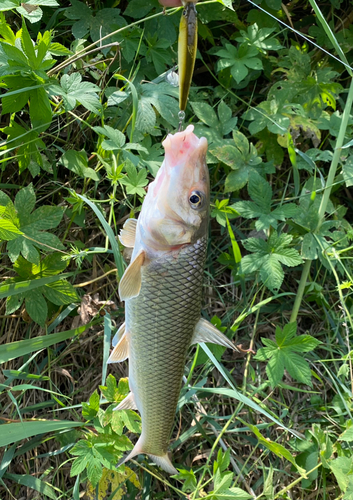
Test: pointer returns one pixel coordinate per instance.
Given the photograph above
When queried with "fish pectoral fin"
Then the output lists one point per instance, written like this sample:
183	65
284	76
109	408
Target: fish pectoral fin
128	233
127	404
206	332
118	335
164	463
130	283
120	351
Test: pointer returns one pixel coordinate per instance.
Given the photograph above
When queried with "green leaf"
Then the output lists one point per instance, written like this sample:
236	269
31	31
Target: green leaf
134	181
260	191
275	368
116	138
279	450
27	45
271	273
73	90
282	354
36	307
60	293
205	113
232	494
40	109
77	162
347	171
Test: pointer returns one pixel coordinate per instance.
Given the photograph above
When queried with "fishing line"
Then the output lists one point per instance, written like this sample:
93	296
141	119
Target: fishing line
301	34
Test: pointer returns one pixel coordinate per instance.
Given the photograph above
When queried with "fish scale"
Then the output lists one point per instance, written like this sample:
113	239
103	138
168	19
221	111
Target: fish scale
161	323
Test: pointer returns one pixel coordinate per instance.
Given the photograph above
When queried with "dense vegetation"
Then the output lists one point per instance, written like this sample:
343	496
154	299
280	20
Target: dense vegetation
87	95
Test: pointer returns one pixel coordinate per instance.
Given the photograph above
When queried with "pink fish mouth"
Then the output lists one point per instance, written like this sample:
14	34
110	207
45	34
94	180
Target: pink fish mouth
181	145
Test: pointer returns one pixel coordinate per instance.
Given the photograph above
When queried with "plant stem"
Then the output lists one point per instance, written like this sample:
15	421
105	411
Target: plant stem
300	292
326	196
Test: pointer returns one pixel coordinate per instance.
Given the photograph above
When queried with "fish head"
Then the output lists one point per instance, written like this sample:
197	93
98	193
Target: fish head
175	210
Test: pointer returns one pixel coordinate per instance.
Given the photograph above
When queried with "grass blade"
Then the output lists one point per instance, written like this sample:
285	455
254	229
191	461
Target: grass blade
117	255
25	286
34	483
12	433
233	393
22	347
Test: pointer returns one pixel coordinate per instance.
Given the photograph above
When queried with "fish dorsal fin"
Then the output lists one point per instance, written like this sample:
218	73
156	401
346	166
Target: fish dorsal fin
128	233
130	283
127	404
120	351
206	332
118	334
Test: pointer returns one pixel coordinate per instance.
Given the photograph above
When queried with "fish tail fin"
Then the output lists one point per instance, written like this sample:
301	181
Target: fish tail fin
162	461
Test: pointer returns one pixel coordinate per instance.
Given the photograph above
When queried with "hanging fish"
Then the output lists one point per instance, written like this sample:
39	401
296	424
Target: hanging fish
162	290
187	47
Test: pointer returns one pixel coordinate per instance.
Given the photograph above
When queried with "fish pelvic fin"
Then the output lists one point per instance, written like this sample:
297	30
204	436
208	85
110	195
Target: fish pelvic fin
118	334
206	332
128	233
120	351
130	283
163	461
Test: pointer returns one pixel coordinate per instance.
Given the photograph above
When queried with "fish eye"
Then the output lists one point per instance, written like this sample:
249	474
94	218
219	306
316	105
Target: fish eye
196	199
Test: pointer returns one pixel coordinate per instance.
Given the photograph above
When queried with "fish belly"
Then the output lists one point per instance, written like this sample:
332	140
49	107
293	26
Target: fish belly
160	323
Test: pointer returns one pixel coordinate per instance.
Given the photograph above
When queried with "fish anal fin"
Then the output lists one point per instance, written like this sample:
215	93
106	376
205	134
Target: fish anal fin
206	332
120	351
127	404
128	233
130	283
164	463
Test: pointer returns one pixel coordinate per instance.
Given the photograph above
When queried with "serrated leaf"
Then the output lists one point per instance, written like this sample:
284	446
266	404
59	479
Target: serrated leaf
297	367
271	273
260	191
74	91
275	368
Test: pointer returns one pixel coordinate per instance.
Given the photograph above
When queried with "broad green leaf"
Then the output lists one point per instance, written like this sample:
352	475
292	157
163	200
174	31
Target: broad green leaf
77	162
60	293
271	273
40	109
205	113
260	191
36	307
275	368
8	231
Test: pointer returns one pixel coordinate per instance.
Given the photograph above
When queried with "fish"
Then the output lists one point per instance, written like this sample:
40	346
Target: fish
162	290
187	47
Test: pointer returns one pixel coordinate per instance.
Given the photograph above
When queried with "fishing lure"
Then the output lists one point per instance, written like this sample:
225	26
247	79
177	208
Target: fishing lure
187	47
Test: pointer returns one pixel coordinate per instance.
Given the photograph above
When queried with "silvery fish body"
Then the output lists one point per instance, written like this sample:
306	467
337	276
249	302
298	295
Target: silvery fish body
162	289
